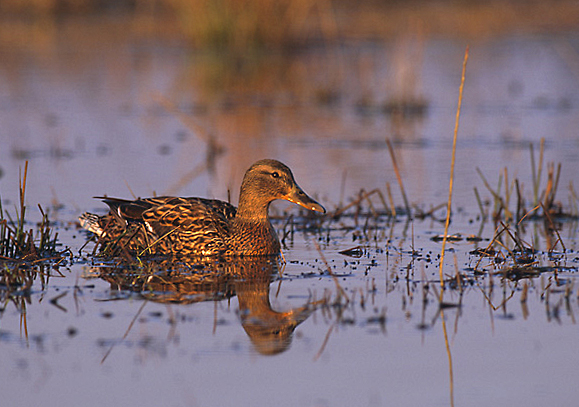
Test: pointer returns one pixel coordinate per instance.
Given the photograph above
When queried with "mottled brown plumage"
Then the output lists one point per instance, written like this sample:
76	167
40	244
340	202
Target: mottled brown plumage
202	227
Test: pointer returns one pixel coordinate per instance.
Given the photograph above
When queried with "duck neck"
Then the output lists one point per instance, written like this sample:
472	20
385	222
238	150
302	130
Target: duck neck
250	213
253	234
252	207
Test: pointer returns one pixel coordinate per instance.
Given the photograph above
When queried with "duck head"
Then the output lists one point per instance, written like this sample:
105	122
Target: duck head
268	180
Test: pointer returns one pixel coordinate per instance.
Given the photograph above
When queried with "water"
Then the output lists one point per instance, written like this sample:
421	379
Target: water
123	116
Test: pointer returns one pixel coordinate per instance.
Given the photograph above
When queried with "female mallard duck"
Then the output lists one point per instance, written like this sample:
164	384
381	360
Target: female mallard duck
203	227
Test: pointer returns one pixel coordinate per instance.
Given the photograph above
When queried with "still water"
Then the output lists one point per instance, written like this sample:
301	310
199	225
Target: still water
128	116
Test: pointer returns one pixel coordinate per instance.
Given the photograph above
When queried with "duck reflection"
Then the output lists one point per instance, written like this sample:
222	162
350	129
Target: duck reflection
270	331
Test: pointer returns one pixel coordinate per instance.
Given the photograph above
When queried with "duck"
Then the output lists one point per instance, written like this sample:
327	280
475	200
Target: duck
192	226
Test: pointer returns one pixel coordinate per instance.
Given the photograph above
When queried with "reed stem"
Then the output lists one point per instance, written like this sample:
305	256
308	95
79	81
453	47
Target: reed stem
397	172
451	182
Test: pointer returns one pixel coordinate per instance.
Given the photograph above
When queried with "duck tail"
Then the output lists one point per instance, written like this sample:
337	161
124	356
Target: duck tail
90	222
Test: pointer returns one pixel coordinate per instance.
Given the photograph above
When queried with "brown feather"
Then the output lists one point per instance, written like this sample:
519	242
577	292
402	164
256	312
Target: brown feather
202	227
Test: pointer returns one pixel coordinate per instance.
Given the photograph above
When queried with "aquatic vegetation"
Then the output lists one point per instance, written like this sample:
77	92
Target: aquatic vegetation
361	287
26	255
250	24
542	204
19	243
368	273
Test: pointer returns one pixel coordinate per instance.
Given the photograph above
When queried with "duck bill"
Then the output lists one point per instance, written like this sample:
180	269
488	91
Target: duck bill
299	197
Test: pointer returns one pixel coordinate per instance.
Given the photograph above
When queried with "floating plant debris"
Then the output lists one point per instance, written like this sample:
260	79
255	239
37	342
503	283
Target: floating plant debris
355	252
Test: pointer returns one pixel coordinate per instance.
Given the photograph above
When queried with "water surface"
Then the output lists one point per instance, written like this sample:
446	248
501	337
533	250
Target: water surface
124	117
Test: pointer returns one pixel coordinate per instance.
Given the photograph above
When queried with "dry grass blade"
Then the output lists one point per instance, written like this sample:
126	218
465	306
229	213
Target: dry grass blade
451	182
22	182
519	201
397	172
537	172
573	200
480	204
390	200
514	238
148	248
492	242
363	196
546	212
552	185
500	204
529	213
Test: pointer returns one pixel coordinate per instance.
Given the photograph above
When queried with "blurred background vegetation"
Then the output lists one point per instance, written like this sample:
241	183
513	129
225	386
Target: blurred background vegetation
243	24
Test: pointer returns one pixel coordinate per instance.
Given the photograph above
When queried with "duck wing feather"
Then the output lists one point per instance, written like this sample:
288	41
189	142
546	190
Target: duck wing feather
188	225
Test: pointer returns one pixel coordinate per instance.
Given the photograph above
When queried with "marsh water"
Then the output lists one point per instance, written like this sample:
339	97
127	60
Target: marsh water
97	111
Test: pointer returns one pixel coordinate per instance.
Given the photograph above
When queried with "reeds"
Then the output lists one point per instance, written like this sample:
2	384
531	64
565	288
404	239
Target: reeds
508	193
247	24
361	19
511	256
451	181
25	254
19	243
398	177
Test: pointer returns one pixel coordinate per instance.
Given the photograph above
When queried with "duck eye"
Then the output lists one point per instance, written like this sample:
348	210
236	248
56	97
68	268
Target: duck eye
275	174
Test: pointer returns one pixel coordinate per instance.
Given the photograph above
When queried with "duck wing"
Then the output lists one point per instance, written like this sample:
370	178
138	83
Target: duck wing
193	226
126	211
